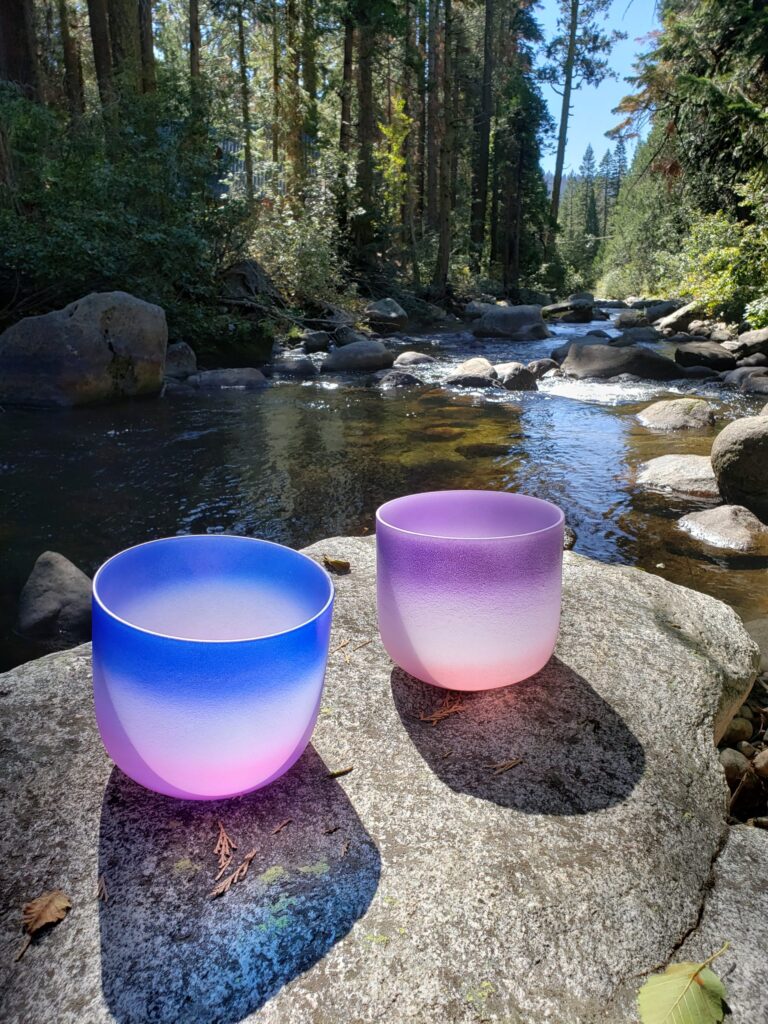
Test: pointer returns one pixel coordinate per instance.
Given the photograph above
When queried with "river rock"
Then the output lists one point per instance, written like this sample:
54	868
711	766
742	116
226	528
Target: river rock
539	367
315	341
764	410
755	384
699	373
658	310
758	630
596	332
558	354
246	377
413	359
705	353
346	335
758	359
367	354
55	604
293	364
734	766
734	378
519	323
681	319
478	307
574	311
630	318
740	462
739	729
385	315
678	414
582	297
611	303
728	526
106	346
680	474
331	922
473	373
516	377
606	361
180	361
399	379
637	334
749	343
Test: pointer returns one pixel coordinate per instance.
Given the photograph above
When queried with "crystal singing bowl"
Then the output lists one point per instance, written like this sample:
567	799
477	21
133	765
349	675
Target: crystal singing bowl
209	656
469	585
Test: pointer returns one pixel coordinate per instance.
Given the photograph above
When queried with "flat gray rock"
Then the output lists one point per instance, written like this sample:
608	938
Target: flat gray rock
727	526
678	414
424	885
680	474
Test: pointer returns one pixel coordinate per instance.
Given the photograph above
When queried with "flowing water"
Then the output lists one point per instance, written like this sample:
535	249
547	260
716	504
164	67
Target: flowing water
299	461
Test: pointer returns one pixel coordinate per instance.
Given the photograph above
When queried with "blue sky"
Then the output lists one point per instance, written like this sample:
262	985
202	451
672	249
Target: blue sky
591	107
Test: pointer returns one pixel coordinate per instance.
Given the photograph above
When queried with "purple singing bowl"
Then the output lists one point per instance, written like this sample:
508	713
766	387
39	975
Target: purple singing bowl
469	585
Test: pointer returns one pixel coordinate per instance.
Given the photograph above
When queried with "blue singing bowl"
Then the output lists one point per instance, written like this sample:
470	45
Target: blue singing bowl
209	656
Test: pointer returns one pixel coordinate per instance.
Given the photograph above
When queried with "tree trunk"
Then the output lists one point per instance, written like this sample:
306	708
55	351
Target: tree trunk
147	43
565	111
195	39
482	142
366	45
309	70
102	50
498	156
421	155
458	53
73	68
345	128
433	112
245	103
440	280
295	140
411	155
18	47
126	45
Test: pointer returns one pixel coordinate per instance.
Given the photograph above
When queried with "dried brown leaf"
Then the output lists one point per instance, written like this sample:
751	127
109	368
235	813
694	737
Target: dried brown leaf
451	706
338	566
101	889
504	766
237	876
341	771
50	908
281	826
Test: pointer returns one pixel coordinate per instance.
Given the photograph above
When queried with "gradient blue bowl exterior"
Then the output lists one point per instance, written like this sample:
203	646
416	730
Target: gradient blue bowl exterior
203	719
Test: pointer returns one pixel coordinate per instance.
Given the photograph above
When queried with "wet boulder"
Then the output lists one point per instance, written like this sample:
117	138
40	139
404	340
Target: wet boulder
399	379
106	346
681	319
705	353
690	475
678	414
728	526
574	311
413	359
749	343
315	341
657	310
630	318
518	323
539	367
293	364
474	373
516	377
740	463
367	354
180	361
55	604
605	361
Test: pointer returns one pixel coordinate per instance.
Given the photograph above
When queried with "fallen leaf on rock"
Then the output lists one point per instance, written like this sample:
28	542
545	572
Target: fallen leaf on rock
684	994
341	771
237	876
452	706
338	566
504	766
50	908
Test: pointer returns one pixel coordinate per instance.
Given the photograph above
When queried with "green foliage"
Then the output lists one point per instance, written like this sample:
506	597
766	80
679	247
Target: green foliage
756	312
390	158
133	205
684	994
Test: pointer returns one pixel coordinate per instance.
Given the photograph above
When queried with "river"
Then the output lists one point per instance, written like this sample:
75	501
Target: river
299	461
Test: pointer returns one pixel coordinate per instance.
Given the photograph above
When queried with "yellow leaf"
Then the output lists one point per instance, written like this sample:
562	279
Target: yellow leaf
684	994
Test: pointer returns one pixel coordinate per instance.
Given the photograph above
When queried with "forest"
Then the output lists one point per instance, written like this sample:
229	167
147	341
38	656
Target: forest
366	147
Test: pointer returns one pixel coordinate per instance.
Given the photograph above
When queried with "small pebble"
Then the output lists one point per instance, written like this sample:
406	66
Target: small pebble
739	729
746	749
734	765
760	764
746	712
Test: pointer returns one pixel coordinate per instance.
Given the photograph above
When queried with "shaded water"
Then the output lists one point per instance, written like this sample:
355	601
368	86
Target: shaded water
296	462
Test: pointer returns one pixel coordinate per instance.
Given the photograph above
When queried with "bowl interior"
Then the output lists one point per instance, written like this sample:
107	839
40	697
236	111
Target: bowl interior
465	515
213	588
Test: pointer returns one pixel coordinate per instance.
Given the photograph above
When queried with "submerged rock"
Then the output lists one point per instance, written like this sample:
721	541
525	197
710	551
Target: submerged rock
367	354
106	346
55	604
681	474
518	323
399	379
595	851
727	526
740	462
678	414
247	377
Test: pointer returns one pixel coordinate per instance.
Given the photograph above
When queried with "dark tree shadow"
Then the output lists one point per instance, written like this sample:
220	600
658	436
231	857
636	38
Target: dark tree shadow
172	955
577	754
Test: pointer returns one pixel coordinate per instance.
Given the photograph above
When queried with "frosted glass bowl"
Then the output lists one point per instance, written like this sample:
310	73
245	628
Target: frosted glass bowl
209	657
469	585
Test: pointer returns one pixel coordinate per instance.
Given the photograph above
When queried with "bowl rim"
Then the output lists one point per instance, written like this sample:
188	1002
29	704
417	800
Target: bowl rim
470	490
229	537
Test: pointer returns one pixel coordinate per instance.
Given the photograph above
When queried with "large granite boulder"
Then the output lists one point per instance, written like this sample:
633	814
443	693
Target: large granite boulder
575	311
727	526
691	475
749	343
180	361
477	372
559	353
681	319
678	414
740	462
367	354
385	315
516	377
630	318
518	323
572	823
657	310
106	346
705	353
607	361
55	603
755	384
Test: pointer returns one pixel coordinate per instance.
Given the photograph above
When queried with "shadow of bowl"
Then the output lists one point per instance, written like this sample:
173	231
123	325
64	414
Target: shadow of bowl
170	953
576	754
